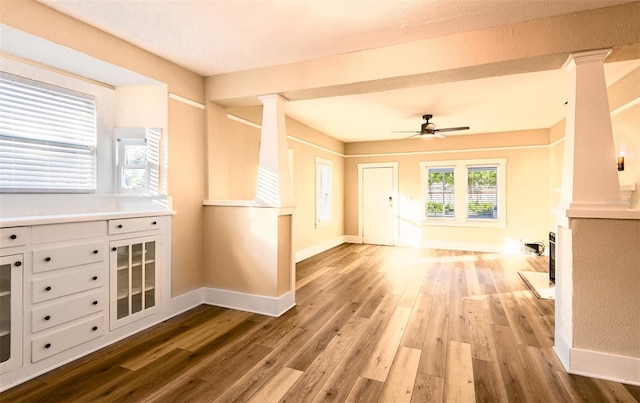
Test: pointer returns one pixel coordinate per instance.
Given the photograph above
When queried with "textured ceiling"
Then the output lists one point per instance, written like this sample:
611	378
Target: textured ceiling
215	37
212	37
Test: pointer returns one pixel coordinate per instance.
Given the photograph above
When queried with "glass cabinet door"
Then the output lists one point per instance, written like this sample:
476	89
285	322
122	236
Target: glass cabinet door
134	279
10	312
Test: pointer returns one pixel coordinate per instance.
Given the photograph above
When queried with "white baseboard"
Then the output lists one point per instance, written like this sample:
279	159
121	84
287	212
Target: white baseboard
562	350
306	253
352	239
465	246
249	302
610	367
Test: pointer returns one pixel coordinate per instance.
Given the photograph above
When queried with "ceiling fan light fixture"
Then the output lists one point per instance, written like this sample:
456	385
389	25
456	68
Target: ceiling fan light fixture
427	127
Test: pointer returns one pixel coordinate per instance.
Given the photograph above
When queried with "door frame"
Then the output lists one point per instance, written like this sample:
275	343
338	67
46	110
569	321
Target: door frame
396	205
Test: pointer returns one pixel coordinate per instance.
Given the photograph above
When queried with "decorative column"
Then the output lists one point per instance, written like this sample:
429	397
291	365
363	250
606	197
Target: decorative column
589	172
274	180
596	234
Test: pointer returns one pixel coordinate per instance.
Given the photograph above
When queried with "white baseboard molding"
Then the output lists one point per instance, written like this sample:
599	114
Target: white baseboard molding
249	302
352	239
605	366
562	350
464	246
306	253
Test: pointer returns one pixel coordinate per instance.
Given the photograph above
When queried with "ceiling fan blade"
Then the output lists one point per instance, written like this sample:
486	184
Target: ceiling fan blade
417	134
452	129
405	131
438	135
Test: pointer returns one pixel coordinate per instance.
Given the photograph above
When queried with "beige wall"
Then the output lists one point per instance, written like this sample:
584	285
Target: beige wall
556	150
606	301
186	185
528	187
185	127
233	161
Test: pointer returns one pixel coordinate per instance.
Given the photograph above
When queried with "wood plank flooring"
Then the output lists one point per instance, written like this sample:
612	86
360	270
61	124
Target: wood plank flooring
372	324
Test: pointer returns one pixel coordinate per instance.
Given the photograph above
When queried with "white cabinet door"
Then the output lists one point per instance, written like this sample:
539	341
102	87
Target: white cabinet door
10	312
134	289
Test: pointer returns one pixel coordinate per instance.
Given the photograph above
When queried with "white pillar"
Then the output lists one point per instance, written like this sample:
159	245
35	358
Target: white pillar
589	172
590	190
274	181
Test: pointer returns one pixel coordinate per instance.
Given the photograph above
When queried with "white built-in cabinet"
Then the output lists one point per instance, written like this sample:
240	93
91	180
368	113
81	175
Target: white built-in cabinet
68	288
10	312
133	269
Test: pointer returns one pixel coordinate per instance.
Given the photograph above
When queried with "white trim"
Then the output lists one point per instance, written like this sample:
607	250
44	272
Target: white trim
289	136
466	246
352	239
319	162
396	212
561	348
459	150
248	203
626	106
187	101
243	121
260	304
606	366
313	250
560	140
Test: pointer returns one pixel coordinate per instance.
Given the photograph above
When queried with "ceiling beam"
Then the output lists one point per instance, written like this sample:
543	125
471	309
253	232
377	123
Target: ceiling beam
535	45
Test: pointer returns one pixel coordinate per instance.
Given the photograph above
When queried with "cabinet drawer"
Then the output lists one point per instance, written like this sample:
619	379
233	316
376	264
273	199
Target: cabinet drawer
14	236
62	312
134	225
68	256
69	282
68	231
47	345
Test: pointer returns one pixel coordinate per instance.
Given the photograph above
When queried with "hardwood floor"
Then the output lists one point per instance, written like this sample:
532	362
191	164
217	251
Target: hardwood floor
372	324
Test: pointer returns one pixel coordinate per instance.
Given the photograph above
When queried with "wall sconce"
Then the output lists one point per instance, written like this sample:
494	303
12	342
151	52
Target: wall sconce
621	163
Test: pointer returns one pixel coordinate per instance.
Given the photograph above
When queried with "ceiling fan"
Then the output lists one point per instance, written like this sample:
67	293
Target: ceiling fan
429	128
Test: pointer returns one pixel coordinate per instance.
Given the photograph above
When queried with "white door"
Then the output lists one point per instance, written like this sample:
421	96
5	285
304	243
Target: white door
378	205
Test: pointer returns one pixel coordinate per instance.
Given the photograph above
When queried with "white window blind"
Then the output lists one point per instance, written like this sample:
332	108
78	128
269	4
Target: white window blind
47	138
441	192
323	191
482	192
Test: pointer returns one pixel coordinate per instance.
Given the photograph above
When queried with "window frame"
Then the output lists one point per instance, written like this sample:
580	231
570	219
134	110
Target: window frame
460	218
321	220
150	137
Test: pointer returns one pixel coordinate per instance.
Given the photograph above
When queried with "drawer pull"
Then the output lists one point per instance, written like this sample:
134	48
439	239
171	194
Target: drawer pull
114	249
119	226
95	252
48	345
18	263
94	278
94	328
47	288
48	317
13	236
47	259
95	302
154	223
